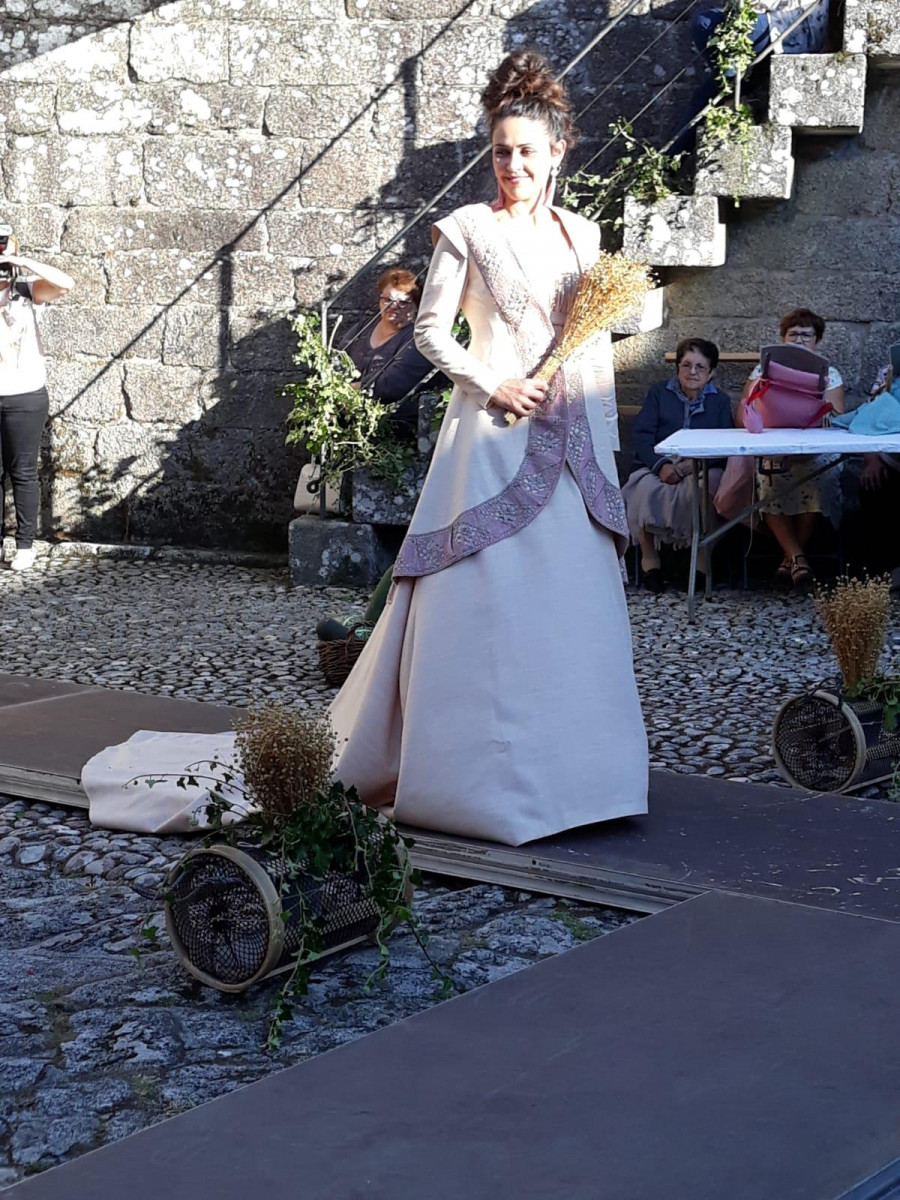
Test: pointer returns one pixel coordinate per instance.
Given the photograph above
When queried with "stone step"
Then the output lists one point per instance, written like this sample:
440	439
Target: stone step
338	553
679	231
378	502
880	20
761	168
818	93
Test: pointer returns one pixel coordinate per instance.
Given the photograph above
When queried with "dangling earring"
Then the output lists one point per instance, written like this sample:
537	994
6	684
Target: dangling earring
550	189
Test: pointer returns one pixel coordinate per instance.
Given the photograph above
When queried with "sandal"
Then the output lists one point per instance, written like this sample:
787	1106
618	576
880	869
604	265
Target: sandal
654	580
783	573
802	577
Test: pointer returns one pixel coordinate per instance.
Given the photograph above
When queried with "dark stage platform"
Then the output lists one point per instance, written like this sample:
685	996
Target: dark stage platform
701	834
727	1049
49	730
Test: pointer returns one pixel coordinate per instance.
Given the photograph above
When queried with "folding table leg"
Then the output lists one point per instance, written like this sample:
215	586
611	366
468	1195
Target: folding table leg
705	523
695	540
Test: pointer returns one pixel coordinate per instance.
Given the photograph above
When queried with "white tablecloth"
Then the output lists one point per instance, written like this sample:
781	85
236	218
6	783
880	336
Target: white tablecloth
772	443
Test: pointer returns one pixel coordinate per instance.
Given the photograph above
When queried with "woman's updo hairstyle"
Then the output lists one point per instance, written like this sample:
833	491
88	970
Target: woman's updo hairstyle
523	86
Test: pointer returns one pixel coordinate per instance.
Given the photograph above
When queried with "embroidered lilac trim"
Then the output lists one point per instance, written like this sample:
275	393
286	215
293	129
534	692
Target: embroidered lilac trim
493	520
554	437
603	499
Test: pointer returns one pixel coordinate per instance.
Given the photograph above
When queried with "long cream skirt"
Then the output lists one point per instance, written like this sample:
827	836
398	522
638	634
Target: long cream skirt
497	697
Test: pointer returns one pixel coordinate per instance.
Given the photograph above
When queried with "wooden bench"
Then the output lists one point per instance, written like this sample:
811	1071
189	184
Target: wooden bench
726	356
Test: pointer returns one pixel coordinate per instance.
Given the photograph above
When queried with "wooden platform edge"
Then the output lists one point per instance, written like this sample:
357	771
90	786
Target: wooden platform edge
883	1185
513	868
39	785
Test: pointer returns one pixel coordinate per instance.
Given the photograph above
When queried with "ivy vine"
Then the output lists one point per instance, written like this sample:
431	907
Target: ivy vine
278	799
731	46
643	172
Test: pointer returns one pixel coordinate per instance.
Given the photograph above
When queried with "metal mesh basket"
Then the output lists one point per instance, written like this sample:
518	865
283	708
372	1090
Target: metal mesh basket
825	742
234	914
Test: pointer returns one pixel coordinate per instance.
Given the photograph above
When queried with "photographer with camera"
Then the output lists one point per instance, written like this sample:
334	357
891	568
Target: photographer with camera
25	285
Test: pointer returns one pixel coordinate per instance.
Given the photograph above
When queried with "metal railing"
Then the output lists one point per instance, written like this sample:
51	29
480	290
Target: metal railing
428	207
329	303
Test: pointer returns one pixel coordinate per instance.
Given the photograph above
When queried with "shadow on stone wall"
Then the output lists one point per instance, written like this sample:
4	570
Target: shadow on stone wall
176	434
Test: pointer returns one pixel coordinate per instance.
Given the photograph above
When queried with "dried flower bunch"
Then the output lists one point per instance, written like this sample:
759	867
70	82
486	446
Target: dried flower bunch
855	613
286	758
611	290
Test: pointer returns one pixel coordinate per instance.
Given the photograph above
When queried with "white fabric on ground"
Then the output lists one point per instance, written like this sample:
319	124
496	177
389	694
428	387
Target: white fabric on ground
115	802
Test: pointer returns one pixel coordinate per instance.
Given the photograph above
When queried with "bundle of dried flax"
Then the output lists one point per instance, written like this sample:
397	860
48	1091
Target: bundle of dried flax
609	291
855	614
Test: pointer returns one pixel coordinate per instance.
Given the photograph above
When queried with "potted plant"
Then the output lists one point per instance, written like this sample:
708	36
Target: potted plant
295	868
841	737
339	422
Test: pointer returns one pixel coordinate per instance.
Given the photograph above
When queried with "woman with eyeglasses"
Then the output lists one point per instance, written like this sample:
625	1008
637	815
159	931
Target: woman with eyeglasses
659	493
793	517
385	354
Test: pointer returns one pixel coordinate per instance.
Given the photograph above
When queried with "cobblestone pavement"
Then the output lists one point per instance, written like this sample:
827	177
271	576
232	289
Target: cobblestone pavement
94	1045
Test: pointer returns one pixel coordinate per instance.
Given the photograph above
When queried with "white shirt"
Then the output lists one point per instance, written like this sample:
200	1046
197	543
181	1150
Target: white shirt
22	364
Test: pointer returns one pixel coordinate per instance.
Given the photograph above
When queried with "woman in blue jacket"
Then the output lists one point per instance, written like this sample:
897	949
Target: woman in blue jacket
658	494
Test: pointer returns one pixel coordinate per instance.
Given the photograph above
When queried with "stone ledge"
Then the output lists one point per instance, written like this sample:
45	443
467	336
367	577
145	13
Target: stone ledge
762	169
335	553
882	31
374	501
651	314
680	231
127	552
818	93
856	25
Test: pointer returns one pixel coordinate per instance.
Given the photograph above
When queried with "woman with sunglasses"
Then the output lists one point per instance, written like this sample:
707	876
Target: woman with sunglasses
793	516
385	354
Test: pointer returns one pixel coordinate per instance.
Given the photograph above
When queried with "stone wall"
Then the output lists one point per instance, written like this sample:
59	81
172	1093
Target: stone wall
204	167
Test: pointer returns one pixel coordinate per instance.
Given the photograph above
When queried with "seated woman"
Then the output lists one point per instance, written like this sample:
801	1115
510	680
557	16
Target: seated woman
792	517
658	494
385	355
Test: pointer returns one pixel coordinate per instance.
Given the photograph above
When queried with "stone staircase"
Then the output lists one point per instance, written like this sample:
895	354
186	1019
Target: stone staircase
810	93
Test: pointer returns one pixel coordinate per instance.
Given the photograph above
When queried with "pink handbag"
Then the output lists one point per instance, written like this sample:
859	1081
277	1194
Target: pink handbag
785	398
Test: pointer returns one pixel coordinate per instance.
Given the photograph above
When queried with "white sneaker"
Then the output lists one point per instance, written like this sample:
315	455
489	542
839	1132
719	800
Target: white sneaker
23	560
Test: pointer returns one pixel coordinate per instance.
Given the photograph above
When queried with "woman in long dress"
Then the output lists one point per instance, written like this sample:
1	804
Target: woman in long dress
496	696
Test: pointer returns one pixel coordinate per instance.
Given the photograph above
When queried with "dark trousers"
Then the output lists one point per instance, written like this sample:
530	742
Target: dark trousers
22	421
871	533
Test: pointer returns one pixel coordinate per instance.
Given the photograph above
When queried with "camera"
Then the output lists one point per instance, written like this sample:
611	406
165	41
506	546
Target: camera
7	242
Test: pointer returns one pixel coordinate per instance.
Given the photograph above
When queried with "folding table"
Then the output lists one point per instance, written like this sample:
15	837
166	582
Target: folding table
701	445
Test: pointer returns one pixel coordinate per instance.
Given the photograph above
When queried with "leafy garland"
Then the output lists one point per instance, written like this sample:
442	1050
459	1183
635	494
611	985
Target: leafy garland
884	690
730	122
336	419
647	174
337	834
732	43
